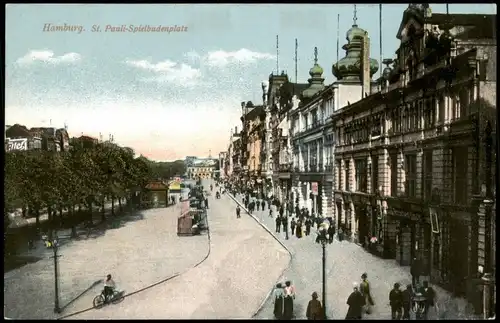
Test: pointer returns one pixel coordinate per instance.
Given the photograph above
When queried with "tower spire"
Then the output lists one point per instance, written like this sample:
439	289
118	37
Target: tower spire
355	18
315	55
277	55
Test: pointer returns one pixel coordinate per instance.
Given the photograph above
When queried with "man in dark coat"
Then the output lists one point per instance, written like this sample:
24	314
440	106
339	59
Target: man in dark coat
278	224
281	211
284	222
238	211
263	204
292	225
206	202
355	302
416	271
396	302
331	232
314	308
308	226
429	294
407	295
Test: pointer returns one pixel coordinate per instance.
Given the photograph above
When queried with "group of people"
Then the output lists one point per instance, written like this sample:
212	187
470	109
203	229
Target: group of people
420	298
283	301
360	301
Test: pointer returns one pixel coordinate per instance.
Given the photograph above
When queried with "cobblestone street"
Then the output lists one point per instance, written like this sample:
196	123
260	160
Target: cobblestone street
244	261
141	251
345	262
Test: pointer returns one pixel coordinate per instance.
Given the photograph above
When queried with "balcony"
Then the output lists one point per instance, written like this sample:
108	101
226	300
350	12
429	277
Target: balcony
328	168
285	168
311	127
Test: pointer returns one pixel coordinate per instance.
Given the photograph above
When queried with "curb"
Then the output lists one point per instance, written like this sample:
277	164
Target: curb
157	283
275	238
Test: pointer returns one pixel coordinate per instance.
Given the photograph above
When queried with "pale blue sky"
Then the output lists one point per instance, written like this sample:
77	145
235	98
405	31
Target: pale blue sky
103	82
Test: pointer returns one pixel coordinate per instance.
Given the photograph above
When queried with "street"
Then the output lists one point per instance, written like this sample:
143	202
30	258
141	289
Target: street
142	250
244	262
345	263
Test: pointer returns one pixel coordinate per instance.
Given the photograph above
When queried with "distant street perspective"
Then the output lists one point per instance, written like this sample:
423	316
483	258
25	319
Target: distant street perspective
383	189
244	262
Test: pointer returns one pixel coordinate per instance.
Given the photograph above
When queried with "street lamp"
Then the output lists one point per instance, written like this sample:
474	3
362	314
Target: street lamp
55	247
323	238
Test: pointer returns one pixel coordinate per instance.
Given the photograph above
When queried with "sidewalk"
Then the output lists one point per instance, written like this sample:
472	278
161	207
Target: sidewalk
344	265
17	221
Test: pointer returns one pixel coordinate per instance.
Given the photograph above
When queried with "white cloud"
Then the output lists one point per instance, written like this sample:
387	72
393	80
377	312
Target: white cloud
48	57
168	72
222	58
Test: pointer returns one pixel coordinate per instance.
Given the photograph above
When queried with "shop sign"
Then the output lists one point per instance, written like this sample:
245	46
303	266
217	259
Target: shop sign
434	220
314	188
17	144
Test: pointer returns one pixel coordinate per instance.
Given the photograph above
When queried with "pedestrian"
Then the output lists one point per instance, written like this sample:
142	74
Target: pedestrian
340	234
238	211
331	232
298	229
308	226
288	303
263	203
206	203
355	302
407	296
314	308
396	302
292	225
284	222
270	212
282	210
416	271
365	290
279	299
278	224
429	294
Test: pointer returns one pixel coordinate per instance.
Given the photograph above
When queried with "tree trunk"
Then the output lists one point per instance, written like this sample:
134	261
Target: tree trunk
71	212
24	210
37	218
120	204
103	211
91	222
112	205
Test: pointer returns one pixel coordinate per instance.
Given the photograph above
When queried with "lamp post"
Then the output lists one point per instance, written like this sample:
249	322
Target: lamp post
55	247
323	239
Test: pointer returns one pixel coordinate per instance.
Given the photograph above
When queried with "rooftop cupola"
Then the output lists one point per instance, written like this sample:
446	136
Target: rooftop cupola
349	67
316	80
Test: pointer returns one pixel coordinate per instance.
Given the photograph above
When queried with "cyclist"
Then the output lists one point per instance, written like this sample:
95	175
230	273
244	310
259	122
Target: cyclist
109	287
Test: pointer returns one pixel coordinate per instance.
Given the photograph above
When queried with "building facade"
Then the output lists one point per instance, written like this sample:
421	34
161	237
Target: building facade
201	168
412	160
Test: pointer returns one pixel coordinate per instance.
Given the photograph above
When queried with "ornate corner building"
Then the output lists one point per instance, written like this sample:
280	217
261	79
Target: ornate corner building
415	161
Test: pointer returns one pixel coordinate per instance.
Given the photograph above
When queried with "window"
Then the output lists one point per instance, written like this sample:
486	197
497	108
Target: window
374	174
361	175
411	175
347	170
376	126
459	156
464	102
427	175
442	107
338	169
314	117
428	113
394	174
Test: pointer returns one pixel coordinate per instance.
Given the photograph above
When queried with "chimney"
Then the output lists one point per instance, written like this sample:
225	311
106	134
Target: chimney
365	65
236	130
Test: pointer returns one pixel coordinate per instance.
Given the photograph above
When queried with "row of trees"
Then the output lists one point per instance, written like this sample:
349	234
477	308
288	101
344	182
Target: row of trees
82	178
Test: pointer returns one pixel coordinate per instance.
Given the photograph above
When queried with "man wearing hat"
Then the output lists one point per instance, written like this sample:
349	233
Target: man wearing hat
365	290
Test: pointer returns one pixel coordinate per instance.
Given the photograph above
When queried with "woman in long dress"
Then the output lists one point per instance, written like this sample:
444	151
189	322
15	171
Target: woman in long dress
289	297
279	296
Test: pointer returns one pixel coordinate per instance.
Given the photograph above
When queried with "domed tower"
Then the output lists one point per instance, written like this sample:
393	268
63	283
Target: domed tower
349	68
316	80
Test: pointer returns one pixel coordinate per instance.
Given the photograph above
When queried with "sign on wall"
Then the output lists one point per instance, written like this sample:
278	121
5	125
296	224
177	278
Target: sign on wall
314	188
17	144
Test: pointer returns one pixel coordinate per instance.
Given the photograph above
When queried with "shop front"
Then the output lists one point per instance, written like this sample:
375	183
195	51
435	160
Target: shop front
413	233
362	216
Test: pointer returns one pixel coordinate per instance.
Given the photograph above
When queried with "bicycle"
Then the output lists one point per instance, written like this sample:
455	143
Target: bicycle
100	299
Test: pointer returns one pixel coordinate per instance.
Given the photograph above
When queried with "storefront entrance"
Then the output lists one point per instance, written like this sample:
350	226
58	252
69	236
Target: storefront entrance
458	258
363	224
